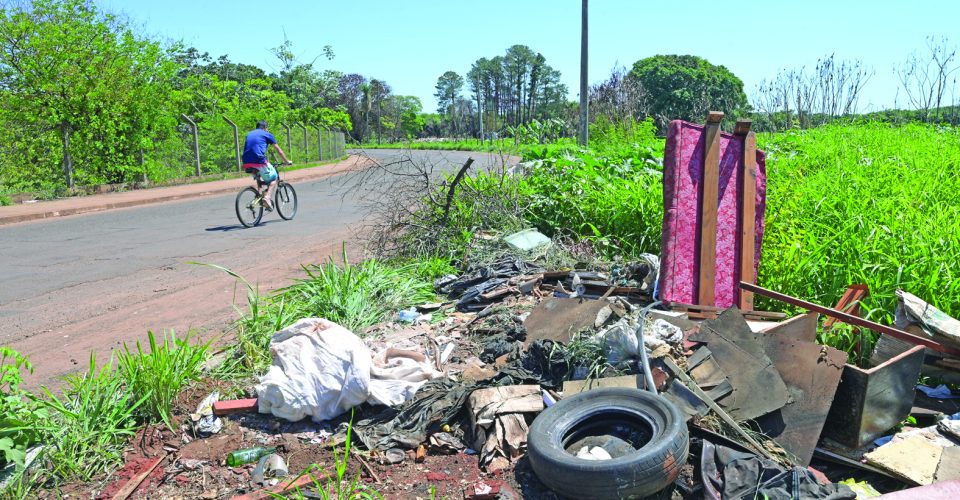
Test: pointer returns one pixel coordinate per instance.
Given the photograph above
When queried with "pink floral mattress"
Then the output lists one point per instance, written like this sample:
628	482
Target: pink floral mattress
682	179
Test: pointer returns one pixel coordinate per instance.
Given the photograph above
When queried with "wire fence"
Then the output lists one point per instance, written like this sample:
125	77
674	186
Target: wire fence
217	147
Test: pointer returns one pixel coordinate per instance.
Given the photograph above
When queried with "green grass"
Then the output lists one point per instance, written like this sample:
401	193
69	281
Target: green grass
869	203
159	375
92	422
352	295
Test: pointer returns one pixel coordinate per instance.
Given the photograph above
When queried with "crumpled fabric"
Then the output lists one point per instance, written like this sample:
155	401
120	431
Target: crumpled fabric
732	475
321	370
397	374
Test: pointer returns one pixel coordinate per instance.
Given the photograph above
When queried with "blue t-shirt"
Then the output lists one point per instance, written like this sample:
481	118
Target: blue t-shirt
255	146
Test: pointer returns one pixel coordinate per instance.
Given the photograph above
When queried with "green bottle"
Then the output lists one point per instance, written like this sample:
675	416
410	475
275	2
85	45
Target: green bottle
248	455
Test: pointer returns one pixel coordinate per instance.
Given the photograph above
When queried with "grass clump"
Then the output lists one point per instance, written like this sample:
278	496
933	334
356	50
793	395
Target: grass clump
353	295
93	420
157	377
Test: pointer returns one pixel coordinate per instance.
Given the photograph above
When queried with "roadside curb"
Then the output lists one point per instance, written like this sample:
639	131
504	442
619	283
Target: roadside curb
103	202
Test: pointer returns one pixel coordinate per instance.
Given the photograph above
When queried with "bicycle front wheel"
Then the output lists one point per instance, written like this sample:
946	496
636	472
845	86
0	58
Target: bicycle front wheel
286	201
249	208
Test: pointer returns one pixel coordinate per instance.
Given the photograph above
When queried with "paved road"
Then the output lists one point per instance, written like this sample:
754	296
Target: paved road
92	282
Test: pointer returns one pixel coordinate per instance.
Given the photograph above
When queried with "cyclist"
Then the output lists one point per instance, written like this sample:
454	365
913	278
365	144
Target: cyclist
255	159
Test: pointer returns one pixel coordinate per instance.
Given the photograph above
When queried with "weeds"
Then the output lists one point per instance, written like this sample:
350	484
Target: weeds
92	422
158	376
856	342
337	487
352	295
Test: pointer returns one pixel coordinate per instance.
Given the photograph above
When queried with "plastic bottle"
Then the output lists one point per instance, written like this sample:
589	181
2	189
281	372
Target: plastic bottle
248	455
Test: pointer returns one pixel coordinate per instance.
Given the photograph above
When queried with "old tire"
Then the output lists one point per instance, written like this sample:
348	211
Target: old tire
652	425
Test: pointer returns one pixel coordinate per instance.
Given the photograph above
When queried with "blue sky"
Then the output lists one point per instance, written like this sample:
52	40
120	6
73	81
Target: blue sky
411	43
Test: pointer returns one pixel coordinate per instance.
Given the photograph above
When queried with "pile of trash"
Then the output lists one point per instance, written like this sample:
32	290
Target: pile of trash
583	370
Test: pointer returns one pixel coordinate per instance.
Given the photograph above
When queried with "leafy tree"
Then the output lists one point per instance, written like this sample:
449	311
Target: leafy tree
449	86
87	76
686	87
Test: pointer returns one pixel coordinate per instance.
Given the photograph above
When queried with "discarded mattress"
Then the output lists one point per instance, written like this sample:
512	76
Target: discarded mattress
682	187
320	370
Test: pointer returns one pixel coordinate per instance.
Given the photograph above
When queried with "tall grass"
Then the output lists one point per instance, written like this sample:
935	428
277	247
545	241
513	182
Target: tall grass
92	423
352	295
869	203
158	376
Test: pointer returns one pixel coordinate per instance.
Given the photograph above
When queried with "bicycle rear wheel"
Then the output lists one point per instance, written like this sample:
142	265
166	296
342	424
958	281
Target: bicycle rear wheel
249	208
286	201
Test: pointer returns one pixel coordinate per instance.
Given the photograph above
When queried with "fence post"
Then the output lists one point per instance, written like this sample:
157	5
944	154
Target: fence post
236	143
305	150
319	145
196	141
287	128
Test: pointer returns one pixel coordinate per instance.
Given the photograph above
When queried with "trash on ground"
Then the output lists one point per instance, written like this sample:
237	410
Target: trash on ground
203	421
498	420
268	468
916	316
527	240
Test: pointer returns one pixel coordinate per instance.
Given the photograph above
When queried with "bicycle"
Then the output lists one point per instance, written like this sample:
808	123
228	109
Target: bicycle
250	204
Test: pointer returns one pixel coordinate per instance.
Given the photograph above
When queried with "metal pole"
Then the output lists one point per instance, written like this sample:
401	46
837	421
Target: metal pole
196	142
319	142
236	143
584	101
305	150
287	128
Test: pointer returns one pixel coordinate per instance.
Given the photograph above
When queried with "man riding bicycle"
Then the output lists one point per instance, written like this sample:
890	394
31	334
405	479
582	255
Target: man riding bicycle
255	159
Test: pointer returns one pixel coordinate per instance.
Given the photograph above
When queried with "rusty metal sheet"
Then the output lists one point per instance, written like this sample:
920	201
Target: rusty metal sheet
812	373
558	319
739	352
870	402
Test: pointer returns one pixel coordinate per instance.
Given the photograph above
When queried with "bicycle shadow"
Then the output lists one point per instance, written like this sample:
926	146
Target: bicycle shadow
234	227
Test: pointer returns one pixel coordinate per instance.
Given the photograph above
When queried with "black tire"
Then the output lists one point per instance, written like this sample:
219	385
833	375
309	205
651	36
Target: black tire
285	201
249	211
658	448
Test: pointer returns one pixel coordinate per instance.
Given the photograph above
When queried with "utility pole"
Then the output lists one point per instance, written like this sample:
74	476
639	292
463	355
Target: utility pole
584	101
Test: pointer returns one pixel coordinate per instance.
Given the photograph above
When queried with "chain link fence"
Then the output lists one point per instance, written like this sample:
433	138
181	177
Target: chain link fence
218	146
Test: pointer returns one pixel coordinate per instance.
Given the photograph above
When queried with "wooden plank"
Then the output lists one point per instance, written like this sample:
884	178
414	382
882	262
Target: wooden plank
743	127
134	482
710	312
750	441
802	327
850	302
709	194
748	217
812	374
853	320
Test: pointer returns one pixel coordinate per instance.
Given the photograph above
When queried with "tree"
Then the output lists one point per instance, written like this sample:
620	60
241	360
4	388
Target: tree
687	87
449	86
925	78
85	74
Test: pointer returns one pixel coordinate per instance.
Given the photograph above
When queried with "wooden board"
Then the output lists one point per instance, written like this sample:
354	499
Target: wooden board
558	319
710	194
811	373
748	212
757	387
